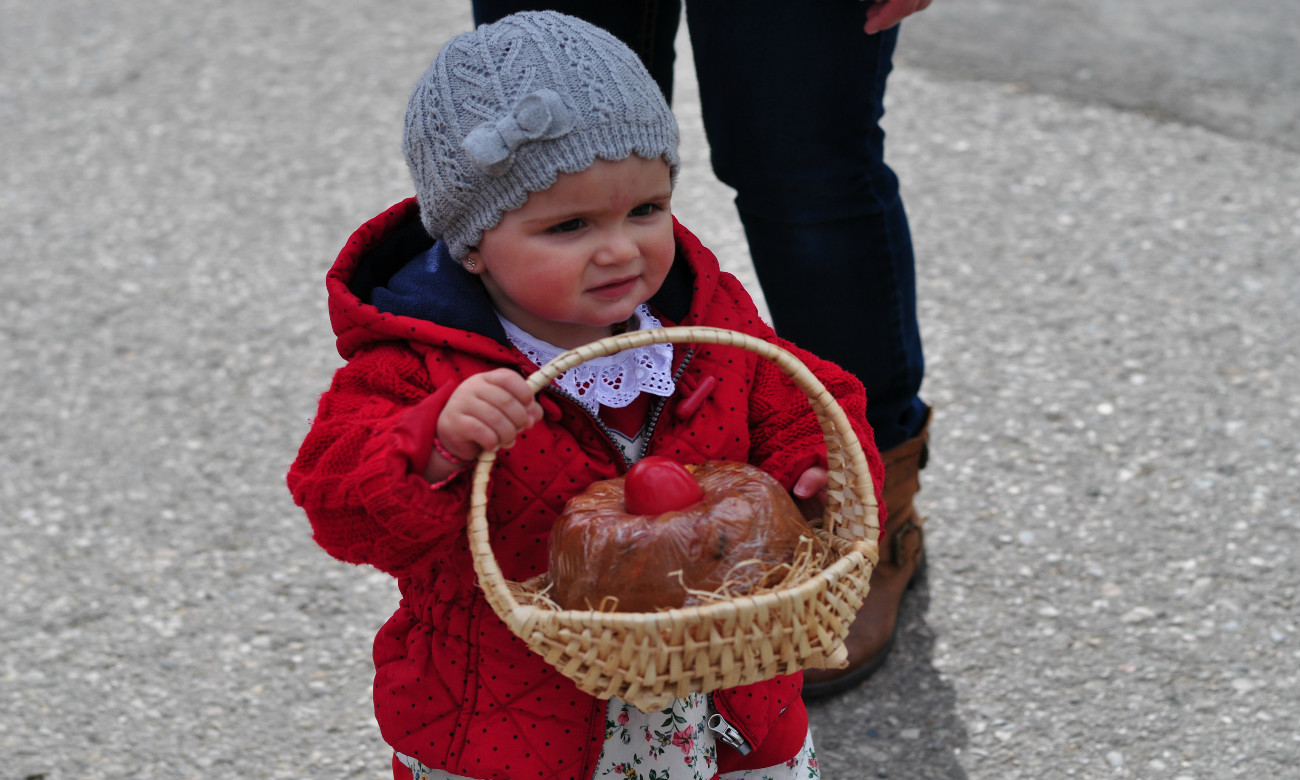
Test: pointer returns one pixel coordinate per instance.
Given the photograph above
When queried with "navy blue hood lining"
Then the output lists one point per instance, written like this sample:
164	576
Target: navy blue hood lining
435	288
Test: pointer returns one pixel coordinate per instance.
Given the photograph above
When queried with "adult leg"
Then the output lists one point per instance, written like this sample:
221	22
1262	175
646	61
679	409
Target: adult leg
648	27
792	99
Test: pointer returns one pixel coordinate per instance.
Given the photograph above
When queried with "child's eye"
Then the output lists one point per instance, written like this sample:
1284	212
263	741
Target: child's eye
644	210
567	226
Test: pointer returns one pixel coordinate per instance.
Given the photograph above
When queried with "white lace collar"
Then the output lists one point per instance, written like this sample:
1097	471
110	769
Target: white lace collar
615	380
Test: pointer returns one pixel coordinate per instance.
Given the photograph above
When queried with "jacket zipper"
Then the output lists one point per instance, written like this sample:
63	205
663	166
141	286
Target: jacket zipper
652	423
658	409
727	732
599	423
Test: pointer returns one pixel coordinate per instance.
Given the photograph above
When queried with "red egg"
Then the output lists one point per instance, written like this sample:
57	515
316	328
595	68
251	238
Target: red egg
656	484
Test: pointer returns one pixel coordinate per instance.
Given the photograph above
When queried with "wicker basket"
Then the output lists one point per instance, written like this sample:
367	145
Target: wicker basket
649	659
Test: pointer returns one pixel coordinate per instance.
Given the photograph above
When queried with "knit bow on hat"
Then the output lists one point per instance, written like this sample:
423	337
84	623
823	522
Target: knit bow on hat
541	116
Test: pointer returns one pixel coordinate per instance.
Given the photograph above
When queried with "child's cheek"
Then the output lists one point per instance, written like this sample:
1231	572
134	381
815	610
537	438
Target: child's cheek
551	292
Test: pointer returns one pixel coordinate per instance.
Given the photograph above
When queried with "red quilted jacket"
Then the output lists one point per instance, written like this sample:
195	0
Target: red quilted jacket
453	686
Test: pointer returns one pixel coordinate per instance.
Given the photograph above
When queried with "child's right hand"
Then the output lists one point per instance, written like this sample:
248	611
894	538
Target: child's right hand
486	412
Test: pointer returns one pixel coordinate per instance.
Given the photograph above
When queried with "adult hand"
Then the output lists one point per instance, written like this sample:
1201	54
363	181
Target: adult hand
883	14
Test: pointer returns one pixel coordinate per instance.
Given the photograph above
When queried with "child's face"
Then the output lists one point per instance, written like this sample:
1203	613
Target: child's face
582	255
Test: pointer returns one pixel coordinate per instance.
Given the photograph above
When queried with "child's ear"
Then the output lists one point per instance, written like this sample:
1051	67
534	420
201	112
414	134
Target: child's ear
471	261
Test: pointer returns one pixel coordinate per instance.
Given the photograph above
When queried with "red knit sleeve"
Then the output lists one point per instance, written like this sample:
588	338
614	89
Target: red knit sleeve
355	474
785	437
782	419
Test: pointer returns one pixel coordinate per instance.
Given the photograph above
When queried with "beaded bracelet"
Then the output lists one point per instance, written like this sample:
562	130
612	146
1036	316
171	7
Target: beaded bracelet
459	463
445	481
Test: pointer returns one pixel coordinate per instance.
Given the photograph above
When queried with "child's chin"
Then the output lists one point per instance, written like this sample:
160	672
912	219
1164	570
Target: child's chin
624	320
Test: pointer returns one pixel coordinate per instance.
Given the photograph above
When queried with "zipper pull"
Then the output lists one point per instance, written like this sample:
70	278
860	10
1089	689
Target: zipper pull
727	733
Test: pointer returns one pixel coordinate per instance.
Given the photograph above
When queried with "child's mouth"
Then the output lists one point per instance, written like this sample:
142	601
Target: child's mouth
615	289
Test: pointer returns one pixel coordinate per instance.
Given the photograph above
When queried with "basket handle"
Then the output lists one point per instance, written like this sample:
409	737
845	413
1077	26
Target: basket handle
846	462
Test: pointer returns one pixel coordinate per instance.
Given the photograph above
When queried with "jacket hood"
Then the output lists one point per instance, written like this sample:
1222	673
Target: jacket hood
393	281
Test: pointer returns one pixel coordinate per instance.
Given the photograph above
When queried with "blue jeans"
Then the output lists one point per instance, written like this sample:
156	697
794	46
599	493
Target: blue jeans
792	95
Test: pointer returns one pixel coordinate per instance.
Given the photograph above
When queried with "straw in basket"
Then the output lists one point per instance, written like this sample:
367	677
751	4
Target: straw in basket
649	659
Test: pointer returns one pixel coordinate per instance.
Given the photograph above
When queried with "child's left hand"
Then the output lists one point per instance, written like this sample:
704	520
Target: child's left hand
810	492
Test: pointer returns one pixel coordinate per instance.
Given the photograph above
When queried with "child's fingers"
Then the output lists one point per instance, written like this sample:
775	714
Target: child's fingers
487	412
518	396
491	432
810	493
512	383
811	482
498	407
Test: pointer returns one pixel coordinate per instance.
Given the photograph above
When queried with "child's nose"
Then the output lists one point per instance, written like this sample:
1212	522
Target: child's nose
618	247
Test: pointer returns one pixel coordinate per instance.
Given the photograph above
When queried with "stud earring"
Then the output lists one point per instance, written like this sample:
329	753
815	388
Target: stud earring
470	264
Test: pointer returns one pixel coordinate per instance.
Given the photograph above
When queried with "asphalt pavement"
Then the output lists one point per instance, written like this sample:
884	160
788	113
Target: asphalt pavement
1109	297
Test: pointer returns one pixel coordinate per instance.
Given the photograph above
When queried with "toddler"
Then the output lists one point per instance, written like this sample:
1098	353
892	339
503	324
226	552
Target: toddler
544	158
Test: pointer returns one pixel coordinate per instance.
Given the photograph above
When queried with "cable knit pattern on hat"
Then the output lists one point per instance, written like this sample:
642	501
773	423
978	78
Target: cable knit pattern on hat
505	109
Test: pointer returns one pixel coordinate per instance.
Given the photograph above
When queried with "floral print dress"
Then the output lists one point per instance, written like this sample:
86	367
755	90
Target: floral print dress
676	744
673	744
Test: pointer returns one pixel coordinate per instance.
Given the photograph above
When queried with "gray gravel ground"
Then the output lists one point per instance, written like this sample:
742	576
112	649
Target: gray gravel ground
1233	67
1109	305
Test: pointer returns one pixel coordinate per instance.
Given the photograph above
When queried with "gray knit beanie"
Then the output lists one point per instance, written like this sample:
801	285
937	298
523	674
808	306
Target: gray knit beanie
505	109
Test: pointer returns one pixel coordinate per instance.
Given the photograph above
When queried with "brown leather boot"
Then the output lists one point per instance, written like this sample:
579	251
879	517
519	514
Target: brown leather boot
871	635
